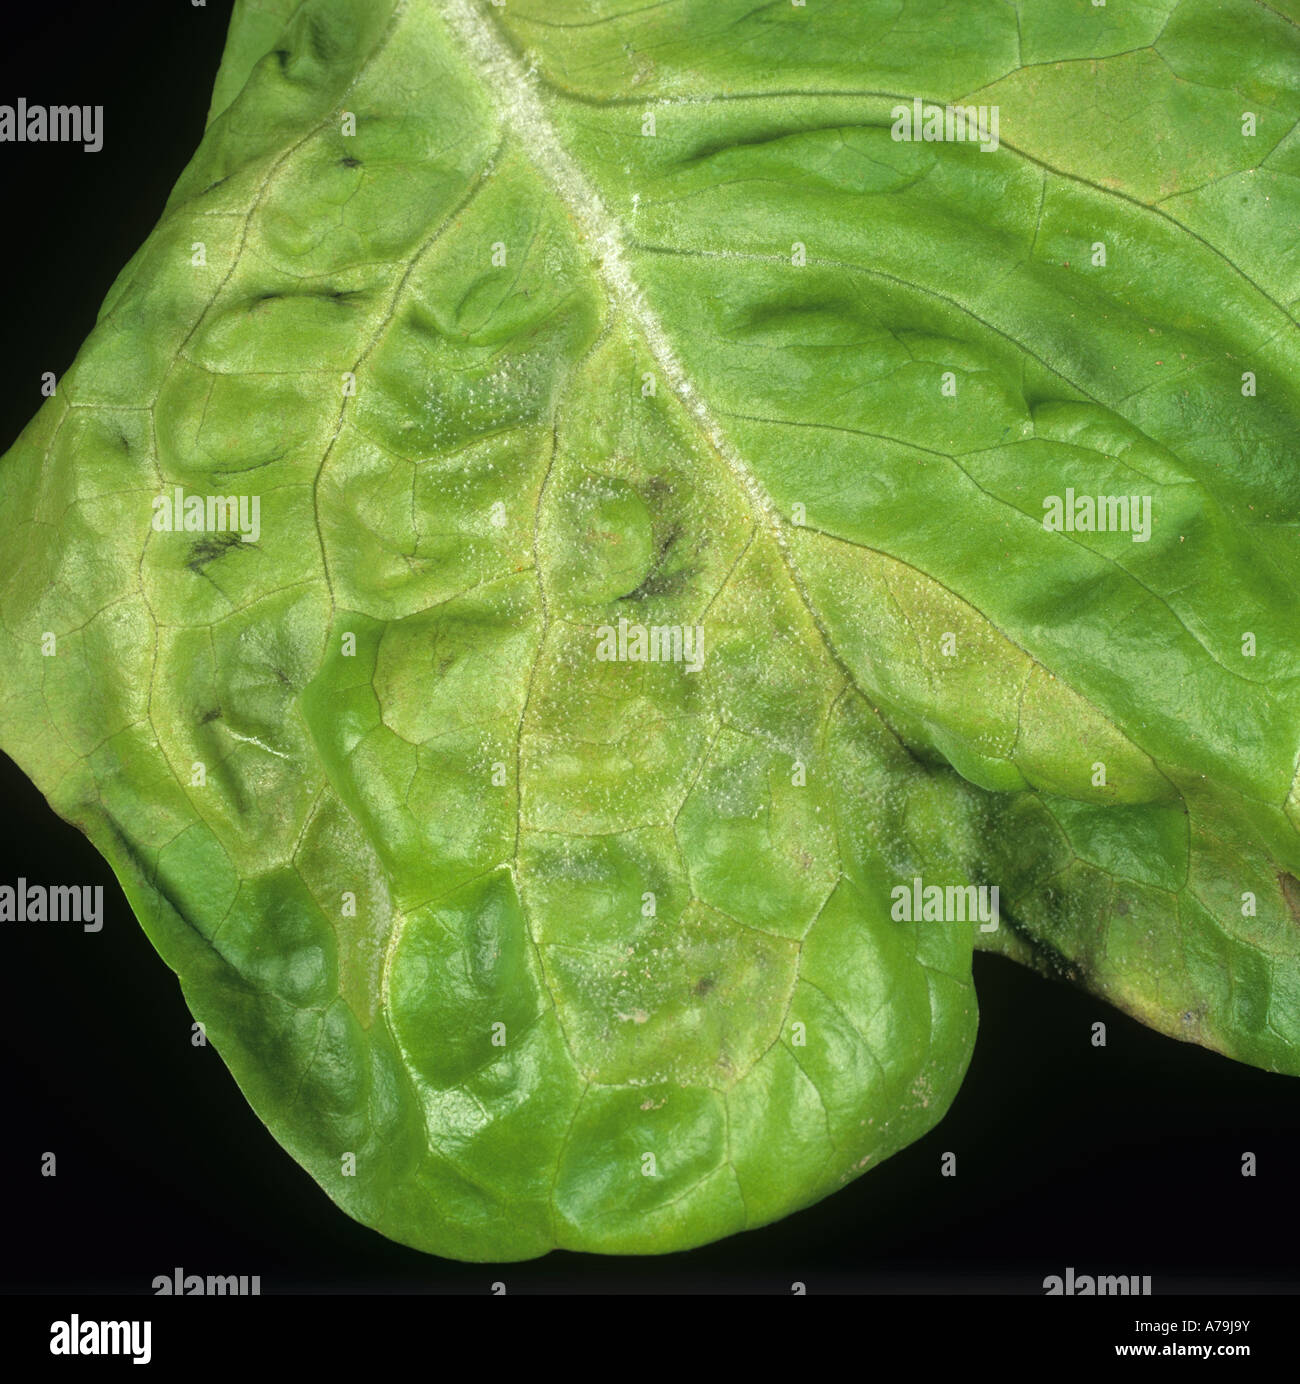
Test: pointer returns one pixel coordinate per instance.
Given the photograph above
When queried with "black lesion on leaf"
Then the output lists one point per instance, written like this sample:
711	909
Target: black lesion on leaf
212	715
220	473
210	548
773	133
282	56
656	581
347	161
324	46
145	865
330	295
1290	887
705	985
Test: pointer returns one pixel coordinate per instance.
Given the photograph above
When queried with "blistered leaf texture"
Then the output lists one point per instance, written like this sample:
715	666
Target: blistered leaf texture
651	579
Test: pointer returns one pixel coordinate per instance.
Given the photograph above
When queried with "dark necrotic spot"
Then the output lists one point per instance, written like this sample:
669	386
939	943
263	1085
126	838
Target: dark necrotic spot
212	715
656	582
347	161
1291	893
704	985
324	46
210	548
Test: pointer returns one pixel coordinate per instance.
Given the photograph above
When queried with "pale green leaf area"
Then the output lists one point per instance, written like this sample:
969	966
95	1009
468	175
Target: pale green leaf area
558	330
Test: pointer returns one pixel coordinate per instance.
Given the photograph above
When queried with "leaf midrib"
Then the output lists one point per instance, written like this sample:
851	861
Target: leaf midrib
514	96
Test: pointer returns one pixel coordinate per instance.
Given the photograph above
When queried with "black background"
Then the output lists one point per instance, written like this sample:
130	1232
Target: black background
1125	1159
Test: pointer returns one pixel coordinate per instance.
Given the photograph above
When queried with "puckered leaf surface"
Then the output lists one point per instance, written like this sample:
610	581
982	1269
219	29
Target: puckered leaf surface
529	324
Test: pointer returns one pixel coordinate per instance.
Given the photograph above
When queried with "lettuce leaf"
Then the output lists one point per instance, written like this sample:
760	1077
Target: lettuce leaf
715	493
